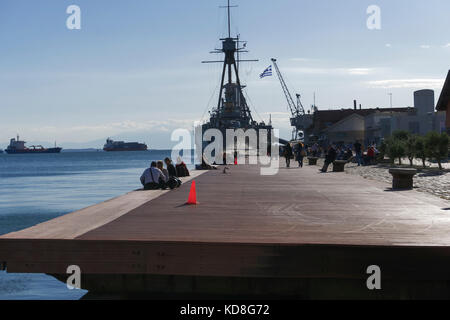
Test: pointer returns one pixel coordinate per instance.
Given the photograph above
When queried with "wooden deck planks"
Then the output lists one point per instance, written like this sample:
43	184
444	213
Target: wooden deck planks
80	222
294	207
298	224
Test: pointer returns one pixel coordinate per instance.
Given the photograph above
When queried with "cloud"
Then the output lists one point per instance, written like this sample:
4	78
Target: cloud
333	71
359	71
425	46
446	45
301	59
407	83
280	120
388	45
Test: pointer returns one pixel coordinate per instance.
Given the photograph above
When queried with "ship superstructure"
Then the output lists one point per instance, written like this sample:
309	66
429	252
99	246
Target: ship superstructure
232	110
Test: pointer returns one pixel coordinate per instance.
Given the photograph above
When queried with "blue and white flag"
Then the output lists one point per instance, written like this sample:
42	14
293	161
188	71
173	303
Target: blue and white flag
266	73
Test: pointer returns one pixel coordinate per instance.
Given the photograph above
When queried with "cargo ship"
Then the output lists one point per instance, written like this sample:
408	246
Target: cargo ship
16	146
112	145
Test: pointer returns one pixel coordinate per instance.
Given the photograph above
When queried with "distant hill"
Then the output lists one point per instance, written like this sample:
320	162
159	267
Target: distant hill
83	150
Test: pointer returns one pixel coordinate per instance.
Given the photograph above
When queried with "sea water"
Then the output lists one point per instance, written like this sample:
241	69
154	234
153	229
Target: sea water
38	187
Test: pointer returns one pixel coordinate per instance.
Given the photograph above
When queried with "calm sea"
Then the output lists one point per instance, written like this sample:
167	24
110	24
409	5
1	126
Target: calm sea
36	188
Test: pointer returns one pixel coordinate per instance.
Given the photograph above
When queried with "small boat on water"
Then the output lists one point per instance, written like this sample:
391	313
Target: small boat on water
16	146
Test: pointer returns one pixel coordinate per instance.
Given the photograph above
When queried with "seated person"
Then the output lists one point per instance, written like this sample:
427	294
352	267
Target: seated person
348	155
182	170
173	180
171	168
160	166
153	178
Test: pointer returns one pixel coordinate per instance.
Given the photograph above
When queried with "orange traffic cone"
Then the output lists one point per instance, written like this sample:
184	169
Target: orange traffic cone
192	195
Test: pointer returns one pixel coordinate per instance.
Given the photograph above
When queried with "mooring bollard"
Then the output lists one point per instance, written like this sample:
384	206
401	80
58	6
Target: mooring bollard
402	178
339	165
312	161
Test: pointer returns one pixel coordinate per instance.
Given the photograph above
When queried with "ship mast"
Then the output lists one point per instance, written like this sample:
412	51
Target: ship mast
232	104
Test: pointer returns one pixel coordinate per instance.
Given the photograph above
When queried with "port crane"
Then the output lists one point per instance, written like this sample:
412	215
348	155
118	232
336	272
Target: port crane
297	110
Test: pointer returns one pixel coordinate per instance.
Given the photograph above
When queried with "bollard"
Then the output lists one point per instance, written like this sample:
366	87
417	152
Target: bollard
312	161
402	178
339	165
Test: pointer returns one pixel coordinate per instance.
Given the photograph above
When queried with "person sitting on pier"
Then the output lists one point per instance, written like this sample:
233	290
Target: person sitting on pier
153	178
160	166
171	168
174	181
182	170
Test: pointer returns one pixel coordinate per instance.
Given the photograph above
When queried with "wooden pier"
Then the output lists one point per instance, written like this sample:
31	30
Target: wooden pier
299	233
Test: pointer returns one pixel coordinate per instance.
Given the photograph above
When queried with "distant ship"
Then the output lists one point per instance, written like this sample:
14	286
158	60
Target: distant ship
18	147
112	145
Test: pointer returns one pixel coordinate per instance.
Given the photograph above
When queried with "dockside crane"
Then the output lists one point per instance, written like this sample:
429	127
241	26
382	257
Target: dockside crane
297	110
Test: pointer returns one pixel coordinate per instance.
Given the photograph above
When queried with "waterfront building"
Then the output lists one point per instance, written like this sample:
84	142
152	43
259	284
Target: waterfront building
375	124
443	104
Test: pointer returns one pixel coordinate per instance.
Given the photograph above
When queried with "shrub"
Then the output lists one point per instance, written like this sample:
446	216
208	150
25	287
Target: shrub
401	135
410	146
421	150
395	149
437	146
382	149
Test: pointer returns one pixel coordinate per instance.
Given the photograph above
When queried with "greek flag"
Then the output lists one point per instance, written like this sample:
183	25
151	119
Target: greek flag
266	73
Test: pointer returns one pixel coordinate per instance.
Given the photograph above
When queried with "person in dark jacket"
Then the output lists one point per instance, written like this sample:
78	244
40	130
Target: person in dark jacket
174	181
182	170
170	168
330	158
288	154
348	155
300	153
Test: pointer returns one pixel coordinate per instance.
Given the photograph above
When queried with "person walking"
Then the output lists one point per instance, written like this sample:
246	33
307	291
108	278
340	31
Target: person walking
300	154
288	154
330	158
358	152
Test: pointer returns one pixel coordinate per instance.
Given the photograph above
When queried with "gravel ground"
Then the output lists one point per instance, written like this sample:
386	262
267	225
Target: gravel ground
430	180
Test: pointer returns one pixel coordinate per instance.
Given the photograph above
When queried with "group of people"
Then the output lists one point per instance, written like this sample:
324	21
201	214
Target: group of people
158	177
299	151
350	152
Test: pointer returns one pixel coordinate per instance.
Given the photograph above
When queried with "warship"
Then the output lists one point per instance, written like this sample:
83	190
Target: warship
232	110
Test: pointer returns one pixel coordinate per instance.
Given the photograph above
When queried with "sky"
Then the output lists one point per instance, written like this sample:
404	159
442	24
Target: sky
133	70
